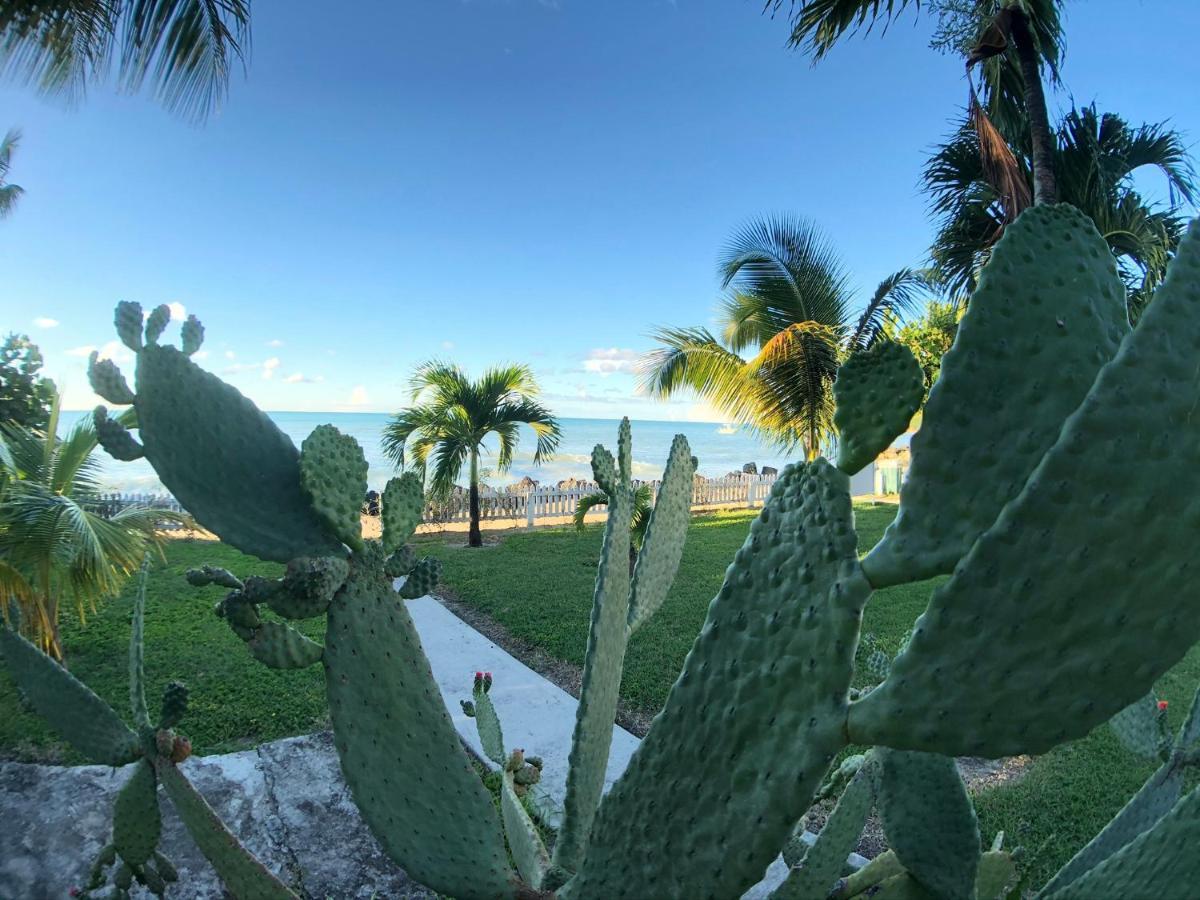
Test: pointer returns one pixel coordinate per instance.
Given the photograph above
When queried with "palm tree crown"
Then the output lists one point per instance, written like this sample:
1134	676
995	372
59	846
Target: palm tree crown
1095	158
185	46
9	193
788	299
54	546
452	416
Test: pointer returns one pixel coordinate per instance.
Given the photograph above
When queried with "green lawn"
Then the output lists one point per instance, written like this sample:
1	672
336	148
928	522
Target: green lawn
539	586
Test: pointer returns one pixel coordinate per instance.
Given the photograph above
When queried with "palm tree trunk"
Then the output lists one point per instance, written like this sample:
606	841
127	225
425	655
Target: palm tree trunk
1045	188
474	538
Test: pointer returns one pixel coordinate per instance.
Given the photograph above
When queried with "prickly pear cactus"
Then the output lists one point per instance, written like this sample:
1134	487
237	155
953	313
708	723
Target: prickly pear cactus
333	471
1048	313
877	392
260	467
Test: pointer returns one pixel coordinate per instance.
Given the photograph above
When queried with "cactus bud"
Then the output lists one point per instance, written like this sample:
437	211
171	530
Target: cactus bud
180	750
1162	705
468	707
174	704
487	681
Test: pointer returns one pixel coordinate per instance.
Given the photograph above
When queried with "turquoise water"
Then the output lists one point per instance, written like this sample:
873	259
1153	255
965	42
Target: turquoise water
720	449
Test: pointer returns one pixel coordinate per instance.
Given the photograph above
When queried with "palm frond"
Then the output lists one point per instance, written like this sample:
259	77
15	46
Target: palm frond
898	295
187	47
585	505
818	24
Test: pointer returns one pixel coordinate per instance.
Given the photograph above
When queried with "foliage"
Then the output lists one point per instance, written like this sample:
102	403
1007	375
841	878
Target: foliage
929	336
55	548
453	416
9	193
788	299
25	395
184	47
643	499
1097	157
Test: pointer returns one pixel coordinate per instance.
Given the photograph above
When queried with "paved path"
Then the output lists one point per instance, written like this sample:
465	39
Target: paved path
286	797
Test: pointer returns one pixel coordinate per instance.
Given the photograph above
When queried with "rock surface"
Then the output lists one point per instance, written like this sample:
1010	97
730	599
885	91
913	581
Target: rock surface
285	799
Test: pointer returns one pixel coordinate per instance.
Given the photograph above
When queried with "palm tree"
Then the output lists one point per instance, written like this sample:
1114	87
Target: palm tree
9	193
186	47
643	504
788	298
54	546
1015	42
1095	158
452	416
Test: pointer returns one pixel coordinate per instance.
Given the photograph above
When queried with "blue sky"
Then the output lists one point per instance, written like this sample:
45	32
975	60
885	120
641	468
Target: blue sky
498	180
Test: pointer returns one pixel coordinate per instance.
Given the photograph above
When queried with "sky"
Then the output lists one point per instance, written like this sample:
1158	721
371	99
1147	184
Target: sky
486	181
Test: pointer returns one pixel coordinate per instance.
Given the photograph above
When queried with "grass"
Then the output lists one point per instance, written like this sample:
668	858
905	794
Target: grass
539	586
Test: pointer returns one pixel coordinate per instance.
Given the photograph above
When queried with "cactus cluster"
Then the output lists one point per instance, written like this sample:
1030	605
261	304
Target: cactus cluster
1045	482
153	751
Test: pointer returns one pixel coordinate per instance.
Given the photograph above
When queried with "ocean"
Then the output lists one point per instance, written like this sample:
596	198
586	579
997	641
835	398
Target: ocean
719	448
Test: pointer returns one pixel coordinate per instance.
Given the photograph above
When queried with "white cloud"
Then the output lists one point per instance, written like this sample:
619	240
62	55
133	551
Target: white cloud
178	311
358	396
45	322
200	354
298	378
269	366
85	350
229	354
275	342
447	345
116	351
606	361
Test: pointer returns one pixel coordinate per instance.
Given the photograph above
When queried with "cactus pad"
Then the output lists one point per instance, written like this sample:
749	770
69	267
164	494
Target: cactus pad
188	419
283	647
67	704
824	861
1048	313
1153	800
308	586
400	562
602	665
929	820
156	323
1099	570
243	874
528	851
107	381
206	575
115	437
1161	862
137	823
192	335
658	560
604	469
129	321
756	716
400	753
333	470
422	579
878	391
488	725
174	705
401	510
1137	727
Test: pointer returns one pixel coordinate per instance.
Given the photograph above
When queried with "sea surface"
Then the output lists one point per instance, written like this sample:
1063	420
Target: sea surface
719	448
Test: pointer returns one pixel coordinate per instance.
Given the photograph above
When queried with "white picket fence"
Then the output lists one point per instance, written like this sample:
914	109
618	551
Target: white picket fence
529	506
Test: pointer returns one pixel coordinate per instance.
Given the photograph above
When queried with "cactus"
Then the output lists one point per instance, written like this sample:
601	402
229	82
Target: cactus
95	729
877	392
422	578
486	720
1048	313
107	381
403	503
333	471
115	438
283	647
823	863
1062	610
1141	727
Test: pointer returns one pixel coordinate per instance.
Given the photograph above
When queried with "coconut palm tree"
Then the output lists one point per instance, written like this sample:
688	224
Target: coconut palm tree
643	504
788	298
55	548
9	193
1095	158
185	47
1015	43
452	417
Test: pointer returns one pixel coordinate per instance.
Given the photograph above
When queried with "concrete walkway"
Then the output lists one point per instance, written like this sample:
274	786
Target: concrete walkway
287	797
